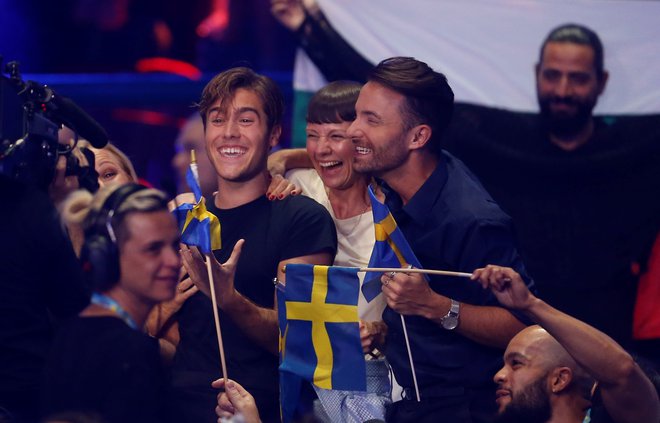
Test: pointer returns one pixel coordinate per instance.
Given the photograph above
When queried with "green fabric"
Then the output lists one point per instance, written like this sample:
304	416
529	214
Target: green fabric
300	101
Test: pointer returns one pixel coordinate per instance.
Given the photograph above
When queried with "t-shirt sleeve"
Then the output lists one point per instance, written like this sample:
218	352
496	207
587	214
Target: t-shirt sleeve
306	227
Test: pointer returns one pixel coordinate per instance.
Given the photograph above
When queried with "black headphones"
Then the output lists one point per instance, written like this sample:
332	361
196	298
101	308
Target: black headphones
99	254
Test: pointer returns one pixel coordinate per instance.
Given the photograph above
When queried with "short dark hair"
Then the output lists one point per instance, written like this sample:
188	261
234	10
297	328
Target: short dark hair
577	34
225	84
334	103
429	98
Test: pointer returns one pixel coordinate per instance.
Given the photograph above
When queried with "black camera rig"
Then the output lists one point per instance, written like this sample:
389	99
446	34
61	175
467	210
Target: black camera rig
31	114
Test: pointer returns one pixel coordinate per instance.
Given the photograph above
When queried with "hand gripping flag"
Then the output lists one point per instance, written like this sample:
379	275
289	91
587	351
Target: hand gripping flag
198	226
320	335
390	250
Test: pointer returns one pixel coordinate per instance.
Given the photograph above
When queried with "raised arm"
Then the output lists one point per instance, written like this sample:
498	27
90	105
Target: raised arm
330	52
281	161
628	395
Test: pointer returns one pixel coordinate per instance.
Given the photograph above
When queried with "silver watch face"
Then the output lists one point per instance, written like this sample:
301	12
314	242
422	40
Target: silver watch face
450	322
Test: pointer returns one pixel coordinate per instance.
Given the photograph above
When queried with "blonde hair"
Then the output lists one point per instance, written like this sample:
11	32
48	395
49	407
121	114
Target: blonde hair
122	158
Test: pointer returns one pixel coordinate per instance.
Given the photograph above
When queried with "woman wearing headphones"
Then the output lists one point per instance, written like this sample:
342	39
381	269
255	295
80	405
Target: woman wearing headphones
102	362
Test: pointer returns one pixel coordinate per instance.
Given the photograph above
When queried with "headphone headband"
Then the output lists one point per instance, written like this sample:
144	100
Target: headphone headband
103	218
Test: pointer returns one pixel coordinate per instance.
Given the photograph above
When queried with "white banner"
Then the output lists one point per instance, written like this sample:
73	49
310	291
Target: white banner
488	48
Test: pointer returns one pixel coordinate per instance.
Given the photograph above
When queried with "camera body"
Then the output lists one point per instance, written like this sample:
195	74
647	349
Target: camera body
31	116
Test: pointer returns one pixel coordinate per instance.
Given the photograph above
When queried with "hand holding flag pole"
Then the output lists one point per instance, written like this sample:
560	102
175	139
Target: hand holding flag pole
202	229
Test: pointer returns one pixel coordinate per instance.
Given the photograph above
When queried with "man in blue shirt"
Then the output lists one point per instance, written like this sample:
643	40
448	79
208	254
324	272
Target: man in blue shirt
457	330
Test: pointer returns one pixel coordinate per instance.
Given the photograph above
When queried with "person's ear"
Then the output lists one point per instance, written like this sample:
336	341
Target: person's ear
603	82
420	136
274	137
560	379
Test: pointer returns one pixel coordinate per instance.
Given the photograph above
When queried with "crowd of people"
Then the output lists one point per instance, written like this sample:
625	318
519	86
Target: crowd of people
106	317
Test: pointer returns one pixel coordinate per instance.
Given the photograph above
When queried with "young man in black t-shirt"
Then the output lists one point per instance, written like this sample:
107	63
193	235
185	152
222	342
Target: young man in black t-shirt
242	121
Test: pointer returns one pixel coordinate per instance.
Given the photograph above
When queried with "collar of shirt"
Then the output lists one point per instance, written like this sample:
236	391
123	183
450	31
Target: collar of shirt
422	202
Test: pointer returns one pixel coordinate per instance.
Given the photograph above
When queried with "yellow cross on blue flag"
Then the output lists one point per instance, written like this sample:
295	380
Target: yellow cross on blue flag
390	250
198	226
320	335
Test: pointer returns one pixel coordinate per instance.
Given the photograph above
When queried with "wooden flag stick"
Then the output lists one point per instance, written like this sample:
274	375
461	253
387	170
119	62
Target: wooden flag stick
412	365
413	270
407	270
216	317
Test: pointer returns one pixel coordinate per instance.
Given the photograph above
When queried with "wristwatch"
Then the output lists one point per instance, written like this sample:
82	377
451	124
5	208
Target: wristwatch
450	320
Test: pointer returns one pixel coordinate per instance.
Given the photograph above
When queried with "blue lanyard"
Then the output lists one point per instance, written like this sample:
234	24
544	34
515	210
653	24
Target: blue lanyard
107	302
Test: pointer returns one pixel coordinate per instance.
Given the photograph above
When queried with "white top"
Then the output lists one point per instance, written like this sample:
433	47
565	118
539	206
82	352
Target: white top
355	237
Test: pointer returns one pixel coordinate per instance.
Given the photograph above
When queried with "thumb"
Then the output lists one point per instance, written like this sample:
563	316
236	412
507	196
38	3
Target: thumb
236	253
232	390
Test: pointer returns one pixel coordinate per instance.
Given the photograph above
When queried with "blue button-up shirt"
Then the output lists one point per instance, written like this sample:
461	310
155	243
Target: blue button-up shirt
451	223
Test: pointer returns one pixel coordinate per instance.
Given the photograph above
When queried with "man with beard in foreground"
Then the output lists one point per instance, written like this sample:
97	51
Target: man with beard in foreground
549	368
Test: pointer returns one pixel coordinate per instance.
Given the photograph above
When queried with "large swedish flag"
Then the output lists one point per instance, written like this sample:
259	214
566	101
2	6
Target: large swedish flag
320	331
390	250
198	226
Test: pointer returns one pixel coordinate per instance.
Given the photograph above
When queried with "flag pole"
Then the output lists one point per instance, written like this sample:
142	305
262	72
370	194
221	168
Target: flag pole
216	317
193	165
412	366
413	270
407	270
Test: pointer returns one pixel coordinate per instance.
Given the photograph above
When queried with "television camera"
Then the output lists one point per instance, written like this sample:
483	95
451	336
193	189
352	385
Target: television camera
31	114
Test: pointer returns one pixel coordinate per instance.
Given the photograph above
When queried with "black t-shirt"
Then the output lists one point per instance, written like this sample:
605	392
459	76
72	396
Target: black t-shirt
40	279
581	217
273	231
99	364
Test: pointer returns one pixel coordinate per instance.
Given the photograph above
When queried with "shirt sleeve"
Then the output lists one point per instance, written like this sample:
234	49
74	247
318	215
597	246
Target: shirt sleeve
308	228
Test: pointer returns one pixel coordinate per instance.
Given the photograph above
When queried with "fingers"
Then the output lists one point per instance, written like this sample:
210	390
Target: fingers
234	397
235	254
187	260
182	271
387	278
366	337
494	276
224	409
185	284
281	188
236	390
218	383
186	289
194	265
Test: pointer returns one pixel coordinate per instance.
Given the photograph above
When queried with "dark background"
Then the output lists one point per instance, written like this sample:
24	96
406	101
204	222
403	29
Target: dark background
90	51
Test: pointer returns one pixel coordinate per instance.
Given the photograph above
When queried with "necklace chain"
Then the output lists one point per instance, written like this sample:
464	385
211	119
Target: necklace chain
357	222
